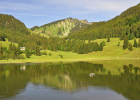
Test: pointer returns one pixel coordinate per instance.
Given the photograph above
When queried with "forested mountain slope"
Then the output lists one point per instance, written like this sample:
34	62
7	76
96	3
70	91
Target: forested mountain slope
16	32
127	23
61	27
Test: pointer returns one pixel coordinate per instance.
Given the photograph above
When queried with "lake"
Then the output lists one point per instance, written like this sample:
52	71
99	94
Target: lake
70	81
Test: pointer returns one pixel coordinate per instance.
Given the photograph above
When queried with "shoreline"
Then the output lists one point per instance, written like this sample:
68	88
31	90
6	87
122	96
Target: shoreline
22	61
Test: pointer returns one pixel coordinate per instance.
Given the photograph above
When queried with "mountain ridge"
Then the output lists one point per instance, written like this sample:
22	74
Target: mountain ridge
61	27
127	23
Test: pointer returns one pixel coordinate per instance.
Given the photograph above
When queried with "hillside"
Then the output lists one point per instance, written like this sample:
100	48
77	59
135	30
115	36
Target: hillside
16	32
11	27
61	27
127	23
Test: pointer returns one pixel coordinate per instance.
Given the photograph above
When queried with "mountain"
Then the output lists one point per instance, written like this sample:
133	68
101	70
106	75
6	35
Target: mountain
10	27
15	31
61	27
127	23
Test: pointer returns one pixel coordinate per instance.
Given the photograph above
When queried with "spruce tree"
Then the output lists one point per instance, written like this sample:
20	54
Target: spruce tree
118	44
28	54
108	39
135	43
10	48
37	50
139	43
101	47
1	50
125	43
130	47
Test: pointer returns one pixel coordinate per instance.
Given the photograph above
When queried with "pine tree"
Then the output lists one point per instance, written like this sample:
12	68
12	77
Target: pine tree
139	43
101	47
118	44
10	48
125	43
1	51
135	43
130	47
14	50
28	54
108	39
37	50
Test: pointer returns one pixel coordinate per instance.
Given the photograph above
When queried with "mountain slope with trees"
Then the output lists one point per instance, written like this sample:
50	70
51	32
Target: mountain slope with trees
61	27
127	23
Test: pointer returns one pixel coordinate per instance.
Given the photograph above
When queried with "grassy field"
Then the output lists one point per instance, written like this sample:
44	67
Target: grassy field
110	52
6	43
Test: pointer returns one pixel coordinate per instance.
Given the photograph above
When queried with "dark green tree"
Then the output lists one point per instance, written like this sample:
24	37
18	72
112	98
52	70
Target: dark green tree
135	43
28	54
101	47
108	39
130	47
37	51
125	43
118	44
14	50
1	52
10	48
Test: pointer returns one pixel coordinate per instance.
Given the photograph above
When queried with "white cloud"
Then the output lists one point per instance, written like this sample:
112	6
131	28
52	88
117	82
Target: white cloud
17	6
108	5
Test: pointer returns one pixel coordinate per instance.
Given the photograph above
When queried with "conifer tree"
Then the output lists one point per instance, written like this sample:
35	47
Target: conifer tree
118	44
130	47
10	47
108	39
135	43
125	43
28	54
101	47
1	52
14	50
37	50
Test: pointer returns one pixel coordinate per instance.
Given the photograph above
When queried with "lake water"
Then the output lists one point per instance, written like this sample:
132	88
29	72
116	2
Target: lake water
69	81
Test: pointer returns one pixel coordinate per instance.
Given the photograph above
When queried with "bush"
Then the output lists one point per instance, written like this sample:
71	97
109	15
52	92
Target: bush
135	43
125	43
61	56
103	43
43	53
130	47
108	39
50	54
21	57
118	44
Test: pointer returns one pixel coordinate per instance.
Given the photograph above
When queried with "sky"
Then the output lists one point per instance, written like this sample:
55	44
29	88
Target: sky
40	12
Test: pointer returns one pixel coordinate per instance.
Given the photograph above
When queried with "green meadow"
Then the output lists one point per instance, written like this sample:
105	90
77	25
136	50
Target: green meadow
110	52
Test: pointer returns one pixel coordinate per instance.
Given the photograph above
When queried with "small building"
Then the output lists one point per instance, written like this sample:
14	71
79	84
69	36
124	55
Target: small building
22	48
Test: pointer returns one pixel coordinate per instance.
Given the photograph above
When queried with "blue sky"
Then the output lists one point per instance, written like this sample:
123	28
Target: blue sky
39	12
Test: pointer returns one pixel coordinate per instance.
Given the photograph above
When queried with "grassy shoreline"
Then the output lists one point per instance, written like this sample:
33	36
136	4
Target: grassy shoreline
17	61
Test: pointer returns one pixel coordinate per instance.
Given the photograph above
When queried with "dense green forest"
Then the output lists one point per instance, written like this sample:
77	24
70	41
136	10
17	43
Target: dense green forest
127	23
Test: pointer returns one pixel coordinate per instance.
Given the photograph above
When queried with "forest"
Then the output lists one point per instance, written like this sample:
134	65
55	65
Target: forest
127	23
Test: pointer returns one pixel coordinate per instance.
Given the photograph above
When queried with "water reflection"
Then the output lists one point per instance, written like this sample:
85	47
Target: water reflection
70	77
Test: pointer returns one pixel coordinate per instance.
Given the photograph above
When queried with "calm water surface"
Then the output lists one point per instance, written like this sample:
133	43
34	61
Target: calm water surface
69	81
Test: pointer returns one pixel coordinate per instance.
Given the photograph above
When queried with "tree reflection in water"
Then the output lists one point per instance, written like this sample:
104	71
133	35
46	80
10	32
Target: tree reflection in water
68	77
